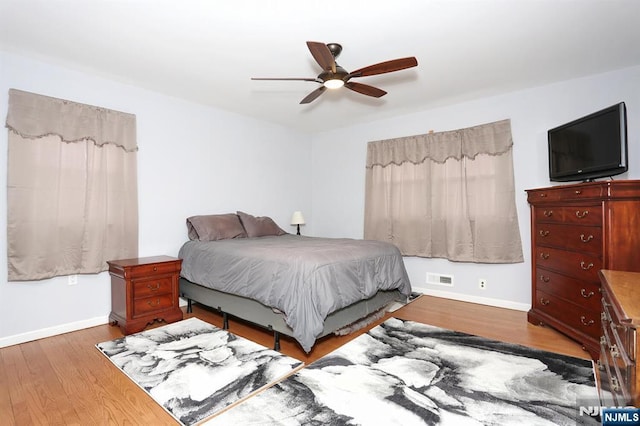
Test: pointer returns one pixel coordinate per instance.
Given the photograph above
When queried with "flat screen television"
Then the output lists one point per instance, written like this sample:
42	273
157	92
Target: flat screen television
591	147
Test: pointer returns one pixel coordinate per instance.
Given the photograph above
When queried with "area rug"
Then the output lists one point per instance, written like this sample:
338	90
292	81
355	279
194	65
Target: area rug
194	369
407	373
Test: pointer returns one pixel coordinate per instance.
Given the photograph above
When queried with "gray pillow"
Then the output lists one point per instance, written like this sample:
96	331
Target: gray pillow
259	226
215	227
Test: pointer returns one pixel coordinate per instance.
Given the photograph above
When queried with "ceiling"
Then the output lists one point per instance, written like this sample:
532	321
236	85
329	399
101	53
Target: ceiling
206	51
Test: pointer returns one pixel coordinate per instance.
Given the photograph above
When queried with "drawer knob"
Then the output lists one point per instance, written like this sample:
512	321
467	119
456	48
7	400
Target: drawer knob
586	239
585	266
586	295
544	302
544	279
578	191
154	287
155	268
614	351
544	233
582	214
544	256
584	321
548	213
615	386
152	304
543	194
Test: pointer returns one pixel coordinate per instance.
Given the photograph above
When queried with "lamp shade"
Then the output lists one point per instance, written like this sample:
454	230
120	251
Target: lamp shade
297	218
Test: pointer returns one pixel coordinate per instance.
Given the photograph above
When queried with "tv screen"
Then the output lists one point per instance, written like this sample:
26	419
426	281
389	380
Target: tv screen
590	147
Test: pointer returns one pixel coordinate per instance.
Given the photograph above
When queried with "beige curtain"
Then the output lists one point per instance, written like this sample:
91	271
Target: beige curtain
446	195
72	187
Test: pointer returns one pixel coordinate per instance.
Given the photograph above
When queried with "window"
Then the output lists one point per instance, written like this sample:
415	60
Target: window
446	195
72	187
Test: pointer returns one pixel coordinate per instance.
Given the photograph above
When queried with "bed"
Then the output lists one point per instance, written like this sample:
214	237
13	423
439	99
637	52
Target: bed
303	287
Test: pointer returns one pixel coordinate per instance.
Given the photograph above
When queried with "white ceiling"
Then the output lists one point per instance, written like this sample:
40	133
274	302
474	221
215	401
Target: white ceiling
207	50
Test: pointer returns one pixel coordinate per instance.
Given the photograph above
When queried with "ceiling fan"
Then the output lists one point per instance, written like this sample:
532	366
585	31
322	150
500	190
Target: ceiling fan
333	76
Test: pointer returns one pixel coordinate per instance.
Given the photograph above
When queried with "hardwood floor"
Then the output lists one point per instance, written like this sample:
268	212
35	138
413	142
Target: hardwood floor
65	380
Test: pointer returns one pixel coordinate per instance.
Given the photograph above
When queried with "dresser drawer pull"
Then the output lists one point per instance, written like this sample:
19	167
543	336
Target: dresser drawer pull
543	194
584	321
614	351
578	191
582	214
150	303
543	301
155	268
586	239
544	233
544	256
154	287
585	266
544	279
615	386
548	213
586	295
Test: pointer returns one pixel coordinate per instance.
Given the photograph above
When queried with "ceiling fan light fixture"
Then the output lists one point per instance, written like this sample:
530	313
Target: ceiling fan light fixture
334	83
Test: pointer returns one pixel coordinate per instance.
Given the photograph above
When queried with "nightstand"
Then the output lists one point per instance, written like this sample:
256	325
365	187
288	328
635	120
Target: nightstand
144	290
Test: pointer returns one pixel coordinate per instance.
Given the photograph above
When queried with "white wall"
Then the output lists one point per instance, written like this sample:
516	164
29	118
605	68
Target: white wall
192	160
339	173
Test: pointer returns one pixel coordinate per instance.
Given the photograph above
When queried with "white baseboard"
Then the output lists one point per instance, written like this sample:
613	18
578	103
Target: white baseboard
498	303
52	331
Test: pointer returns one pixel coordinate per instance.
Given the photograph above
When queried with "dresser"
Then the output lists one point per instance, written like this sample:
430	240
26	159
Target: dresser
618	370
577	230
144	290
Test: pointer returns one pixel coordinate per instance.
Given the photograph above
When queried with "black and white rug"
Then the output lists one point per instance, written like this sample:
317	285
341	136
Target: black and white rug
407	373
194	369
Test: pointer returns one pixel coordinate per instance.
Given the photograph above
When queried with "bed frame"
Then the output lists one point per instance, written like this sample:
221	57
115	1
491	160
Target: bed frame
266	317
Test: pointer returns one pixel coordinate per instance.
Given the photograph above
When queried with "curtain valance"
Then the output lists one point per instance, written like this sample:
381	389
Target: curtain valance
34	116
492	139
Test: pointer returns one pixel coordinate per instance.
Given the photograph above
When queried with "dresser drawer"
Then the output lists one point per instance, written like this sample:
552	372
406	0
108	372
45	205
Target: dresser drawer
577	317
582	266
152	287
579	215
566	193
587	239
620	369
581	293
142	307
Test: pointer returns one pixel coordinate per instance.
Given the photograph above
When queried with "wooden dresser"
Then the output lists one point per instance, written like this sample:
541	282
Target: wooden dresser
144	290
577	230
618	368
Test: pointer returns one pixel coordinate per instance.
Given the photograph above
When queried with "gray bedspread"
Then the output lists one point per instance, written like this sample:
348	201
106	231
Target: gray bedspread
306	278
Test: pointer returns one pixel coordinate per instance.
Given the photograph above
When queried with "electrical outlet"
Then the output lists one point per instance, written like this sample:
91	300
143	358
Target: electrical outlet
72	279
482	284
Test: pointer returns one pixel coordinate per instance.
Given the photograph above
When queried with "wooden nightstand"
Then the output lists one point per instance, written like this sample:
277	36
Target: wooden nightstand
144	290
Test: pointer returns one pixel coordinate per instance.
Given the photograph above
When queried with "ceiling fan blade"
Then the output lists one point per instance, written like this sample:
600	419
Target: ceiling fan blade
322	55
365	89
313	95
286	78
385	67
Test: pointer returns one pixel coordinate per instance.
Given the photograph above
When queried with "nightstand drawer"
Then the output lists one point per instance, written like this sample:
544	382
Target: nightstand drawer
152	287
154	269
152	304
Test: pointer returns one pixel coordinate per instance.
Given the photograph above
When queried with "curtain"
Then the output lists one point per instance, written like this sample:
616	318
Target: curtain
446	195
72	187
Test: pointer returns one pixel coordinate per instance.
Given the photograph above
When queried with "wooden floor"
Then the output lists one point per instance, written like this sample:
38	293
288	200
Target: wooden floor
65	380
